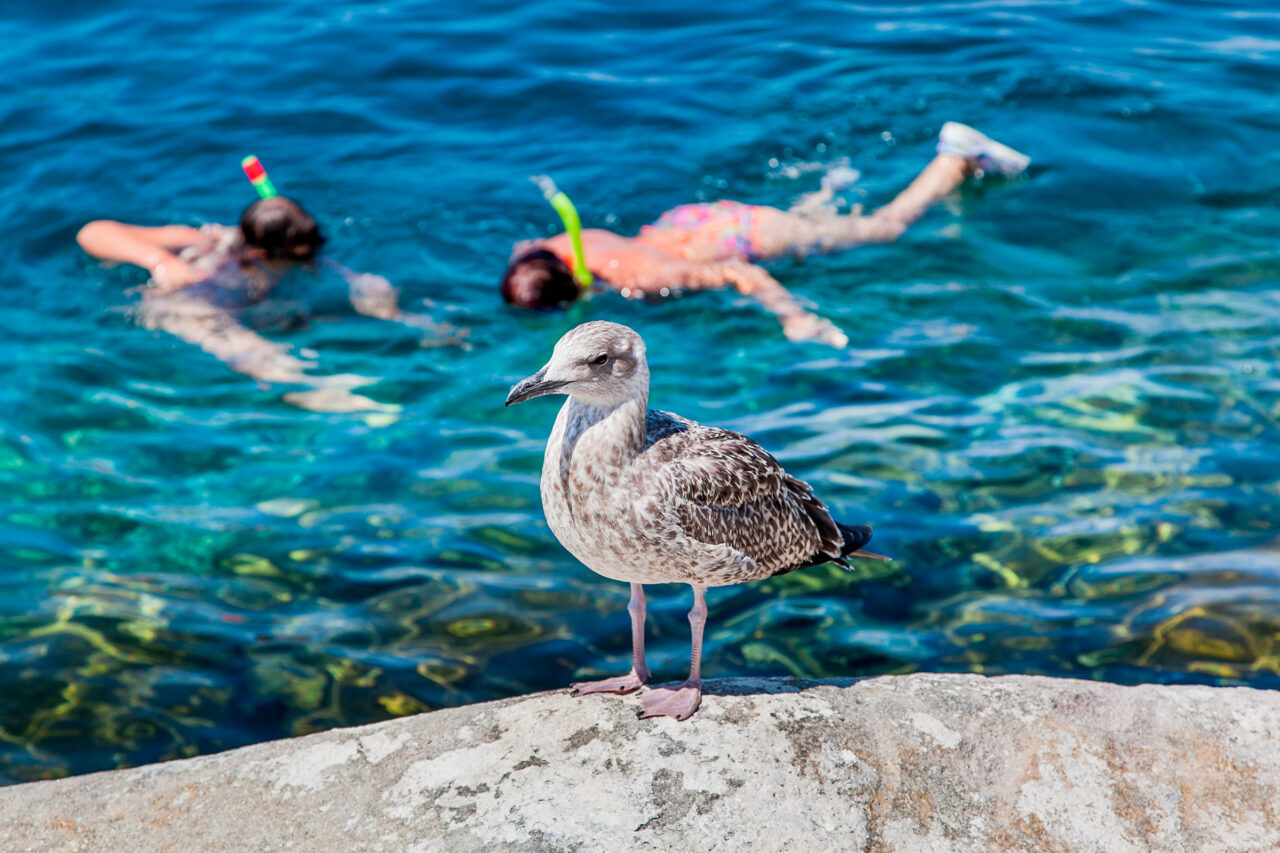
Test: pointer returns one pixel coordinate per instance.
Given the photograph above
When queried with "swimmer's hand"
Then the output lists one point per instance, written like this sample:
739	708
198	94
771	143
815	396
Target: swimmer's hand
372	295
438	334
173	273
811	327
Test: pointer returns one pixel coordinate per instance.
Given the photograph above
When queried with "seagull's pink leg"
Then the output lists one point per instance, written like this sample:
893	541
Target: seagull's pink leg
639	674
684	700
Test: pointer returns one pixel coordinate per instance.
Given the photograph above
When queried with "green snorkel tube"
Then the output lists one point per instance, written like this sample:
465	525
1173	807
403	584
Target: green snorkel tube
572	227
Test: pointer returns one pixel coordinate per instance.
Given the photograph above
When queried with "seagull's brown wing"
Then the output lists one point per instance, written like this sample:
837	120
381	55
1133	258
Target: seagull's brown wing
721	488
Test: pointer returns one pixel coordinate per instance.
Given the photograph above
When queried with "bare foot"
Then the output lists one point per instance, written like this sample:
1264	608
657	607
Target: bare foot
337	400
345	381
665	702
621	685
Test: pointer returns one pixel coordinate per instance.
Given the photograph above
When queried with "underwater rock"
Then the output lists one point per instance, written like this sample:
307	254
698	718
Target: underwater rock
916	762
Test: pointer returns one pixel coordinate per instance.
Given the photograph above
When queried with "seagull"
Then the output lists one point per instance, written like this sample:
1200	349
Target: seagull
647	497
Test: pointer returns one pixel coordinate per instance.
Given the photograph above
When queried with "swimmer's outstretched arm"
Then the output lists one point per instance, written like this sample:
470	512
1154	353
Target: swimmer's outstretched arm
798	323
374	296
153	249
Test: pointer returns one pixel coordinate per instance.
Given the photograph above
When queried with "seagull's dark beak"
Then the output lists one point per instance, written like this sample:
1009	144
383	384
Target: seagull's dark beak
535	386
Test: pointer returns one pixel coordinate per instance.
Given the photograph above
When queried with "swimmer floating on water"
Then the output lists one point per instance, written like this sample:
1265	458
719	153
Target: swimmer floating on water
201	278
709	246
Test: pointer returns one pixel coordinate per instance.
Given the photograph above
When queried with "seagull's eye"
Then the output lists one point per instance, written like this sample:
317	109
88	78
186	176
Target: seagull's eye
600	359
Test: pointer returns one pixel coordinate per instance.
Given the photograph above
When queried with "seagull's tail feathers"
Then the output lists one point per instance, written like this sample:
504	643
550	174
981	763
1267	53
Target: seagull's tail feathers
855	536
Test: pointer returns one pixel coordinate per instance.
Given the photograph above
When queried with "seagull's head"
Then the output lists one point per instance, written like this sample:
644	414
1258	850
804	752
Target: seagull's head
598	363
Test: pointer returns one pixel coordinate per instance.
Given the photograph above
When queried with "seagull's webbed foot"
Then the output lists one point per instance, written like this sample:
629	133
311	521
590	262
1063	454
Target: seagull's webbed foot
679	703
621	685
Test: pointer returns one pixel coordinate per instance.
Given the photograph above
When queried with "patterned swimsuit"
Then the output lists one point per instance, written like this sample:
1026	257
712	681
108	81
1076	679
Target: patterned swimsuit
720	229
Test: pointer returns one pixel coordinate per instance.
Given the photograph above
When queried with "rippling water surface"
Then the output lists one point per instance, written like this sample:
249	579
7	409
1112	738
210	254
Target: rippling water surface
1059	406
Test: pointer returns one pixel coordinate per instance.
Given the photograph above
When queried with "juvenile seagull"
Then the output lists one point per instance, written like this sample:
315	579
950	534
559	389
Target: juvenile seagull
648	497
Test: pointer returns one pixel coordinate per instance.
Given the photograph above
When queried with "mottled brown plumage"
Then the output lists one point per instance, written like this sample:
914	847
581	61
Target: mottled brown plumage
719	487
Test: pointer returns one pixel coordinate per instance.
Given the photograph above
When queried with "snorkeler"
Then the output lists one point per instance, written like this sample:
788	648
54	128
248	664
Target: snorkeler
201	278
714	245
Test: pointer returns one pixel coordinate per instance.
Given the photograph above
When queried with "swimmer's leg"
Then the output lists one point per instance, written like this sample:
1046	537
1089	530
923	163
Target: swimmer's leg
221	335
823	201
783	233
245	351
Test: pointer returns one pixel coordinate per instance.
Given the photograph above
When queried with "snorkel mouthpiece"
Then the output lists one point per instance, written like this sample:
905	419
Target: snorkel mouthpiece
258	177
572	226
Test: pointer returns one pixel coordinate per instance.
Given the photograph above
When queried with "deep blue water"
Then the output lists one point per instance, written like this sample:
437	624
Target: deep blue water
1059	406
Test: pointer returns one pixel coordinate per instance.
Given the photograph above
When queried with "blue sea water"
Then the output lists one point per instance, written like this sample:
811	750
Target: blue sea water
1059	405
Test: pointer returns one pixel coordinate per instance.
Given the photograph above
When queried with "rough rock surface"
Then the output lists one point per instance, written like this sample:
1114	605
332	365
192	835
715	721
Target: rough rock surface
918	762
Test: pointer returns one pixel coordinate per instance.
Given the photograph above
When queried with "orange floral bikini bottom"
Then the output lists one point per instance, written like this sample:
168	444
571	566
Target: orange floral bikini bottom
718	230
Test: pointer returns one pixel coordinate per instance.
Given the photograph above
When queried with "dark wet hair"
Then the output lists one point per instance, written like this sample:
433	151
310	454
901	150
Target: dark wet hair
281	228
539	279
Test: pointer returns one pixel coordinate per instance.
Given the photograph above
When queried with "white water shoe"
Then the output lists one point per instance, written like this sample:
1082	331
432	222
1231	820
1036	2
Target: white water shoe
989	155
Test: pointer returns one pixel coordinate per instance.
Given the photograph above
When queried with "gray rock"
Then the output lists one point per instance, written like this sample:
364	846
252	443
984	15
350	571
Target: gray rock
918	762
